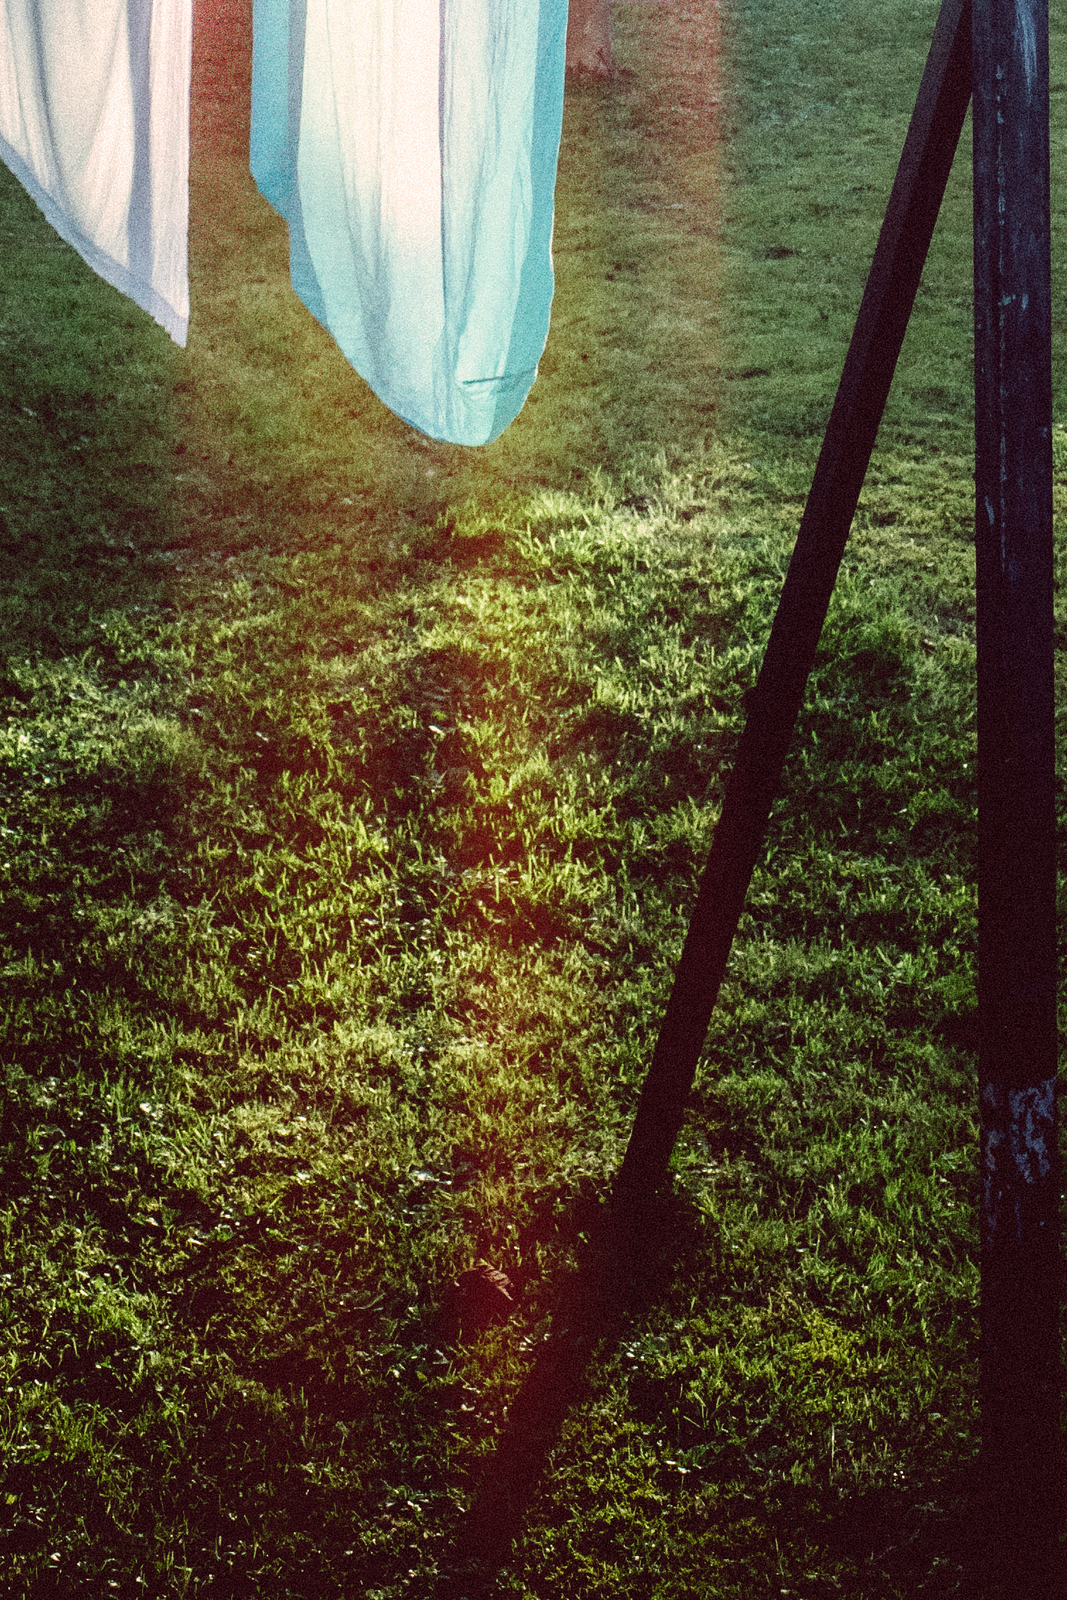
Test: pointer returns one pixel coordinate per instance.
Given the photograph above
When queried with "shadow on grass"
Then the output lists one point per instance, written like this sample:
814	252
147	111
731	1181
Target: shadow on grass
958	1540
84	476
617	1276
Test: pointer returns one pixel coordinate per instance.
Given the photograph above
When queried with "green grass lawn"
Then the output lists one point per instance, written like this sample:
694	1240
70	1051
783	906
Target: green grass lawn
355	789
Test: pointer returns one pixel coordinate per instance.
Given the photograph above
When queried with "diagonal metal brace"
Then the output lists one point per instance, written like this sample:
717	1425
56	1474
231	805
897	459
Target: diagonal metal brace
936	123
597	1296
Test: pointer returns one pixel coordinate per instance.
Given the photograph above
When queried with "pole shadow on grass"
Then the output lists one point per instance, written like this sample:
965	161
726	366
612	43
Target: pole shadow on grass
946	1545
619	1273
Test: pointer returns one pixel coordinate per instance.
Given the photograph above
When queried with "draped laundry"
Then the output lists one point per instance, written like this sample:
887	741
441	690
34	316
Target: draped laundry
94	123
411	146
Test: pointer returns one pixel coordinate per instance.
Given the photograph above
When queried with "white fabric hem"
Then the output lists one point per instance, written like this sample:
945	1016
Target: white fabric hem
175	322
122	279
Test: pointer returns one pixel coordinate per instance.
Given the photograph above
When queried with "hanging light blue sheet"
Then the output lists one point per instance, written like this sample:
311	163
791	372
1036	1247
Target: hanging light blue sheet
94	123
411	146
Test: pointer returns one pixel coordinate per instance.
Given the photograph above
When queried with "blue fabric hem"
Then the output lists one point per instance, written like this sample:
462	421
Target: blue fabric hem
496	316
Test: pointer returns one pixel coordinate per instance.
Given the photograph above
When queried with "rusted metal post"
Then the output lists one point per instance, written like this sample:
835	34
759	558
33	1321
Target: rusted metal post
1021	1279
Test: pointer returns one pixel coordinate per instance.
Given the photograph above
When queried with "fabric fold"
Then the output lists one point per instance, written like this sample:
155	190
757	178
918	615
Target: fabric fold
411	145
94	123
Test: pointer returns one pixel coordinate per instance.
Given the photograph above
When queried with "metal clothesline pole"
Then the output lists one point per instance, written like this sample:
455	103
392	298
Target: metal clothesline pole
1019	1349
555	1380
1019	1360
910	217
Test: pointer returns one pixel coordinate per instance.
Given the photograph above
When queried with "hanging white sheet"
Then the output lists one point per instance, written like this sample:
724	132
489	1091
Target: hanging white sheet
411	146
94	123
